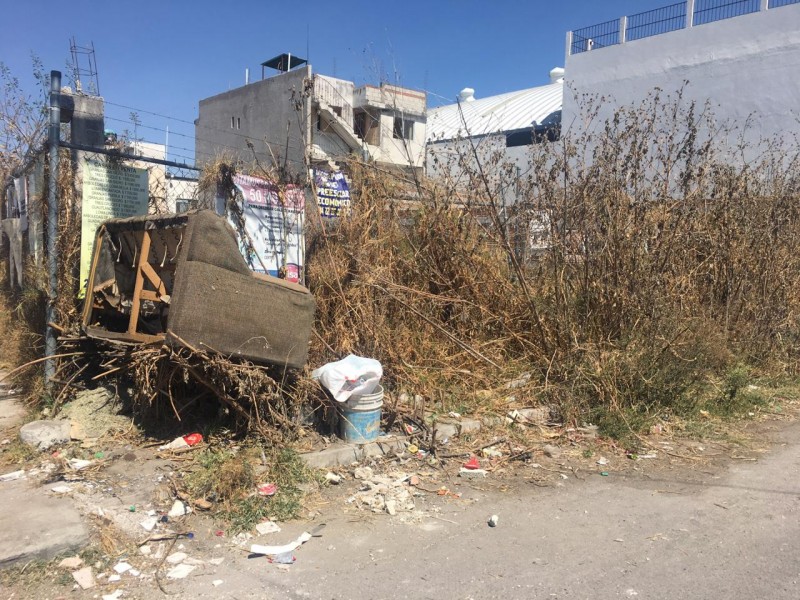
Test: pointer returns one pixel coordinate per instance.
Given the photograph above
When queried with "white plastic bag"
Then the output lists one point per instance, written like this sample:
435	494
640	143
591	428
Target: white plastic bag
353	375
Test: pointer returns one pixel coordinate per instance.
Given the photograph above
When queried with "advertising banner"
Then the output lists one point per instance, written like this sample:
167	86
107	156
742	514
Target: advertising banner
109	192
333	193
271	236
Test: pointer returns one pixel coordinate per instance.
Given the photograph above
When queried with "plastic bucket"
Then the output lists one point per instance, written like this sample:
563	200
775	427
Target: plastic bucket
360	417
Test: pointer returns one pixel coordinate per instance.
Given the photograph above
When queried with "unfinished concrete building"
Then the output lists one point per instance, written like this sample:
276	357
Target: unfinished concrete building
298	118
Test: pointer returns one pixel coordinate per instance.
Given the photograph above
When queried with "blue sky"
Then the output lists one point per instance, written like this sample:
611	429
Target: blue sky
163	57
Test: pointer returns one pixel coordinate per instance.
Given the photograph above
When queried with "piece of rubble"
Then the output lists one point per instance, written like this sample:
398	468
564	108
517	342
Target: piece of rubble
216	561
217	582
333	478
44	434
149	524
363	473
267	527
472	473
180	572
114	596
179	509
61	489
122	567
145	550
14	475
71	562
176	557
114	578
84	578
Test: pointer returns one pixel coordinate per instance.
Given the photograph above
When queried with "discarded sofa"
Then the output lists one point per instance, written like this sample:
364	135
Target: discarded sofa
181	279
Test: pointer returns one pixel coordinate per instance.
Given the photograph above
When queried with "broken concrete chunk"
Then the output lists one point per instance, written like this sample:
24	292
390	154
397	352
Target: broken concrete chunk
551	451
71	562
363	473
44	434
472	473
178	509
267	527
176	558
84	578
180	572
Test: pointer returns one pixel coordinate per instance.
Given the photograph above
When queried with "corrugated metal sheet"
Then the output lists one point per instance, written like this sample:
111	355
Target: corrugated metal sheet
506	112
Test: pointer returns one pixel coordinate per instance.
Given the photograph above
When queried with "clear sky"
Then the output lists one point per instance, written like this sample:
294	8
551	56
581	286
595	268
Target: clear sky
164	56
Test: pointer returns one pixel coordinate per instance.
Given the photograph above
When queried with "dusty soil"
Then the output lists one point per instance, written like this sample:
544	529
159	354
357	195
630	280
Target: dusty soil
438	543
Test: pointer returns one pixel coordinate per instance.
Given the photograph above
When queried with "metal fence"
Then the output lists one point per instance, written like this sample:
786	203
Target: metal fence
708	11
595	36
655	22
663	20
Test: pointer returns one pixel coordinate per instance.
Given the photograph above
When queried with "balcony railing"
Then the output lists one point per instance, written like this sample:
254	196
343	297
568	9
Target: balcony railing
328	93
689	13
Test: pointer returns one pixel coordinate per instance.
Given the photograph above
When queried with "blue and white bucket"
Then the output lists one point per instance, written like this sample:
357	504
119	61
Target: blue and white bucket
360	417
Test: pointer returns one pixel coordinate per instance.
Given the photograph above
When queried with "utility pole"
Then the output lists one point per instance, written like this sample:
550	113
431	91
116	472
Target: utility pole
52	224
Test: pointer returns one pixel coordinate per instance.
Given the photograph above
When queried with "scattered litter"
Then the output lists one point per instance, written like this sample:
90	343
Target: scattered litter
217	582
186	441
180	572
114	596
99	455
72	562
472	463
149	524
564	476
333	478
132	508
493	521
216	561
122	567
353	375
176	557
285	558
275	550
631	592
471	473
491	452
412	449
602	461
179	509
267	527
267	489
84	578
12	476
78	463
454	415
61	489
604	473
651	455
620	540
202	504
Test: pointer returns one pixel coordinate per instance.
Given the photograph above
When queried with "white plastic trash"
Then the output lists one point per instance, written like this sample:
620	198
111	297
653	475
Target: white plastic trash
351	376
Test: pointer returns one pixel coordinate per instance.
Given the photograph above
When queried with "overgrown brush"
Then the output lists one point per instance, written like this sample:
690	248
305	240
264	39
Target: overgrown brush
669	257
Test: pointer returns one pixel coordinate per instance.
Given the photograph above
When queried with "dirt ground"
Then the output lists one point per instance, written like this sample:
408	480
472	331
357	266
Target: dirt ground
689	518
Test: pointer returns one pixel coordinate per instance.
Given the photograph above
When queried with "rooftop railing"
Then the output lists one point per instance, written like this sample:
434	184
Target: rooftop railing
689	13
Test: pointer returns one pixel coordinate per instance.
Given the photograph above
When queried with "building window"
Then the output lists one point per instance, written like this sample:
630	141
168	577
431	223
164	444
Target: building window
238	123
233	122
181	205
403	129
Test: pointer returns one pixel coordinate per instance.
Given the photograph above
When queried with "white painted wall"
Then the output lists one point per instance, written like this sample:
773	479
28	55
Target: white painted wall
747	66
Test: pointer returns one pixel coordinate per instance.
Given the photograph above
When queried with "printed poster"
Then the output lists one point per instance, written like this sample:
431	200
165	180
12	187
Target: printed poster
110	191
333	193
274	239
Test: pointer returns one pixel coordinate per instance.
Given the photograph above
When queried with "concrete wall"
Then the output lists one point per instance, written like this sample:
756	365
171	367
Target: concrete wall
747	66
261	113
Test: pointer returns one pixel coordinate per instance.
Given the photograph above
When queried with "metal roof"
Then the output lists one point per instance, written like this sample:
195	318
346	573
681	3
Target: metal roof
506	112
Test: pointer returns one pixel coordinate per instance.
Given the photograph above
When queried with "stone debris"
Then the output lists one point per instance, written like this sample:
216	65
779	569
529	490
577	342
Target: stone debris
71	562
176	558
217	582
181	571
267	527
84	578
382	493
551	451
114	596
12	476
122	567
363	473
44	434
472	473
179	509
216	561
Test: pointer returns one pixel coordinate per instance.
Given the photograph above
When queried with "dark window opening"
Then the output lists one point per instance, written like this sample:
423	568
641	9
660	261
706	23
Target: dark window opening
403	129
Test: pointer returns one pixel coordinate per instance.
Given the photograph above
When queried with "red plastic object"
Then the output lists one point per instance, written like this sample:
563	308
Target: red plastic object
472	463
267	489
219	533
193	438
